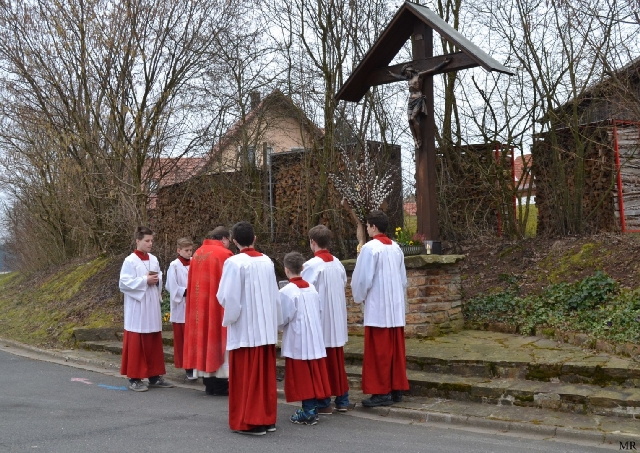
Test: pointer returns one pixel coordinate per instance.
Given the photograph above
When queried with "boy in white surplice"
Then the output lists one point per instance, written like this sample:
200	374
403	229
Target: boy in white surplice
379	282
305	372
177	277
141	283
327	274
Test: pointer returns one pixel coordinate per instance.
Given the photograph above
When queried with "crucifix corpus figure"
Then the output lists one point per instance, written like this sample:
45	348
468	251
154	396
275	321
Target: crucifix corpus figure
417	100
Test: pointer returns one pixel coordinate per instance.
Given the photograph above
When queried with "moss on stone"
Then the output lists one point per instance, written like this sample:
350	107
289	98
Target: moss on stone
542	373
524	398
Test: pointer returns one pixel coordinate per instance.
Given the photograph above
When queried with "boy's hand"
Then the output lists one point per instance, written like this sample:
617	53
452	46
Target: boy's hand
153	279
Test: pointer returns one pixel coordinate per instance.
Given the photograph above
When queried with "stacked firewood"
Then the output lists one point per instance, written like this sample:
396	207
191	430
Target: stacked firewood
574	189
281	218
475	191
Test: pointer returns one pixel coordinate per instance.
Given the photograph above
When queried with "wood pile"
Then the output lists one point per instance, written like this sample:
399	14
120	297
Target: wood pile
196	206
558	177
475	191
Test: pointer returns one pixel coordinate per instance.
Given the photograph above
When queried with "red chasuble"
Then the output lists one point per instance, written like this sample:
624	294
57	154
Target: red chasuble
205	340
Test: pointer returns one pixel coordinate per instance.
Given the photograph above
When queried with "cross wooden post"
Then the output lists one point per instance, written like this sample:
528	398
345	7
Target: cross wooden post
418	22
426	191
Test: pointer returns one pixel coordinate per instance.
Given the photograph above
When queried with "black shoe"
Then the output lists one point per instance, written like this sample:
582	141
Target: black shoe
257	431
209	392
160	383
396	396
216	386
378	400
271	428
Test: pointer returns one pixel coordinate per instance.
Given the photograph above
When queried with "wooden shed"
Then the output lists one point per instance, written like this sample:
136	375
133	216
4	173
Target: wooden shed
606	119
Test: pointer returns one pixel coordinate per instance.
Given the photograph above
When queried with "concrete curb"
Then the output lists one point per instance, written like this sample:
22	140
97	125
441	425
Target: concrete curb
502	426
414	416
60	355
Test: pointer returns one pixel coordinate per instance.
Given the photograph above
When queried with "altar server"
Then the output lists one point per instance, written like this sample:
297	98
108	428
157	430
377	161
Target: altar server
141	283
205	337
249	294
305	372
379	281
327	274
176	285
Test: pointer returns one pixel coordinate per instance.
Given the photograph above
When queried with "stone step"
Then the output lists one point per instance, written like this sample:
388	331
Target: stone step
115	347
575	398
497	355
167	337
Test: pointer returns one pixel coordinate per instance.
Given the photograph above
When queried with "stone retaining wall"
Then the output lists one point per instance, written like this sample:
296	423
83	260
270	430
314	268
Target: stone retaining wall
434	299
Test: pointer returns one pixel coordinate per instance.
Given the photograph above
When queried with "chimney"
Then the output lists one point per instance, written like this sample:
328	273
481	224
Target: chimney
254	96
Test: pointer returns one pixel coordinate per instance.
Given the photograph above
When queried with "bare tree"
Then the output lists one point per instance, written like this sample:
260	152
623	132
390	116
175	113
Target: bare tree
107	84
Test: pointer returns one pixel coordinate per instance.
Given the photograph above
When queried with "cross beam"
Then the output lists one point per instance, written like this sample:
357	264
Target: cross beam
458	61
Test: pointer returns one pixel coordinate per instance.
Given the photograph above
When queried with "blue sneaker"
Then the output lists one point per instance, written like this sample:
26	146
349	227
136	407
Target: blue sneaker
304	418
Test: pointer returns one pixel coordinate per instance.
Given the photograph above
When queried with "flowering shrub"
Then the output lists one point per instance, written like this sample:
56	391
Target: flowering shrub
361	185
403	237
165	306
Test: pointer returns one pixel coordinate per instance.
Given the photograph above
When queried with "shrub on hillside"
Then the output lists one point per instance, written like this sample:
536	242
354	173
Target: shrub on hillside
594	305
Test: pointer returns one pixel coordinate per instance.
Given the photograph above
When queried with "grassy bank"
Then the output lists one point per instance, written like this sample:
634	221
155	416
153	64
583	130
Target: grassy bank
44	308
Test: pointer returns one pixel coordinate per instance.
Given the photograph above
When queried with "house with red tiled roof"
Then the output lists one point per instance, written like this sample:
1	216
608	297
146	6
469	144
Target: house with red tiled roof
273	125
167	171
523	179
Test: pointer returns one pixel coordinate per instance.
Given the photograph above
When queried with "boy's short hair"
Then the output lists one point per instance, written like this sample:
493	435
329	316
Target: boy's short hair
141	232
379	219
321	235
243	233
218	233
183	243
294	262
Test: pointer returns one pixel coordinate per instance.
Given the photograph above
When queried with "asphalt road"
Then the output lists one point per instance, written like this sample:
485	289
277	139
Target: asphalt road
46	407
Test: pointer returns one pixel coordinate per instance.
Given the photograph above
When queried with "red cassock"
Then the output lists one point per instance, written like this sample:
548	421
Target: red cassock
205	340
336	371
384	364
142	355
253	396
178	343
306	379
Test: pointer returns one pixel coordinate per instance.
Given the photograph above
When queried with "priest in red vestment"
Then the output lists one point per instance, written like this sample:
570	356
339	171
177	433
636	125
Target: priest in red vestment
205	339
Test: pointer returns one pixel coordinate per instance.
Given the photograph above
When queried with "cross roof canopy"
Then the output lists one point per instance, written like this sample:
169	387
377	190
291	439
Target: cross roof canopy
373	68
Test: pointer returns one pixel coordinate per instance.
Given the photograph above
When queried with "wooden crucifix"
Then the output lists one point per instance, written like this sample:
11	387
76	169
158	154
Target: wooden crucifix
417	22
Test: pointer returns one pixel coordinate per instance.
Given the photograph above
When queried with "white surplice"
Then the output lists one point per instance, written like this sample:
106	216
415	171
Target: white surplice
249	294
329	279
301	324
142	311
176	285
380	280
